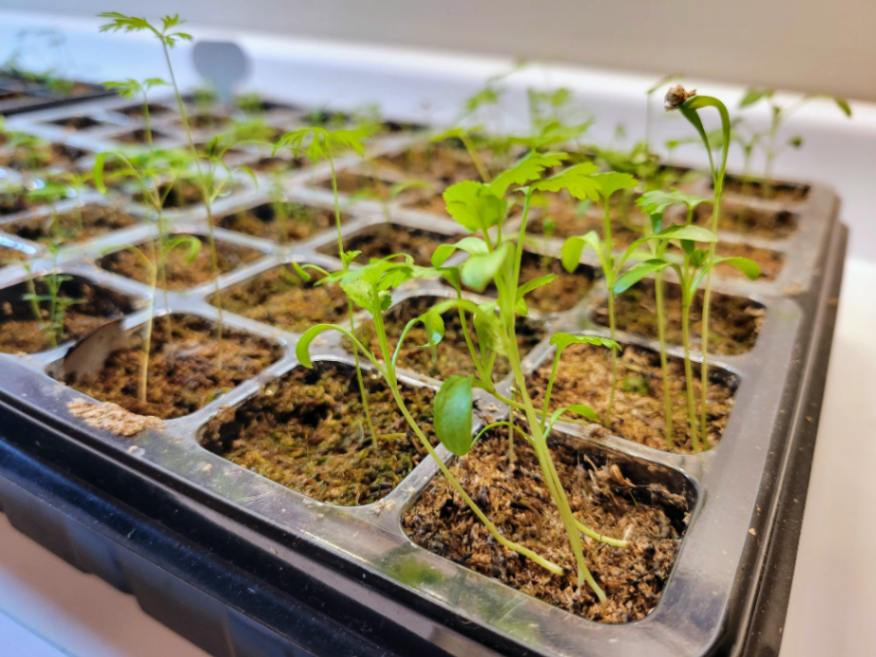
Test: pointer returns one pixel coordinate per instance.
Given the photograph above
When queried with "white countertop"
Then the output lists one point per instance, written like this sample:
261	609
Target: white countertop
45	603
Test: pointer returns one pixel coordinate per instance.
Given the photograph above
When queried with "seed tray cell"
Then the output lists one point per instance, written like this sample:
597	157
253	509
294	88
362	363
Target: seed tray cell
732	489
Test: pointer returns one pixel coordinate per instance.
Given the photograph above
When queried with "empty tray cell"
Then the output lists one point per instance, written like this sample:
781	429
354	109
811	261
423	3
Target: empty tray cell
71	226
282	298
776	190
381	240
623	498
733	326
563	293
451	355
276	164
307	431
281	221
584	377
204	120
752	221
139	136
25	152
188	260
41	313
79	122
191	362
255	104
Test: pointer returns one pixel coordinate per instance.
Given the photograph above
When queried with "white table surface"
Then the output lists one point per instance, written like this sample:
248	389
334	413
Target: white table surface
46	604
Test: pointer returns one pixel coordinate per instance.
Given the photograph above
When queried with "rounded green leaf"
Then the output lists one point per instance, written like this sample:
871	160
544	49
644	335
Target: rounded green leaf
452	414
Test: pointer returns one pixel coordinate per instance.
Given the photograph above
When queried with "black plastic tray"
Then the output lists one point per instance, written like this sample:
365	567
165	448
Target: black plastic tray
729	587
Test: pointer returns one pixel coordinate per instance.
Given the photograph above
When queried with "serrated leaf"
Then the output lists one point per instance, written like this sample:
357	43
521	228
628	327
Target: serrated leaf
525	170
614	181
474	205
452	414
579	180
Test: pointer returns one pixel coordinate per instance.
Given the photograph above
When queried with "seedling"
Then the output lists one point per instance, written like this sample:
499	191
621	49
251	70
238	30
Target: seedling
689	104
768	139
326	144
584	182
695	265
490	330
132	88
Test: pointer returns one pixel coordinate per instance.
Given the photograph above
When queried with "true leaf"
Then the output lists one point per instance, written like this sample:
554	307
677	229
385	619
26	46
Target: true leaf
528	168
471	245
474	205
637	273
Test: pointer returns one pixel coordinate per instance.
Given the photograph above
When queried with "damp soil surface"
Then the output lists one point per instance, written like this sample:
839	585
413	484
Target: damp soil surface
189	366
282	298
733	326
182	271
775	191
566	291
766	223
451	356
769	260
71	226
39	155
584	377
140	136
306	431
560	216
281	222
88	306
381	240
135	110
74	123
604	493
438	162
365	186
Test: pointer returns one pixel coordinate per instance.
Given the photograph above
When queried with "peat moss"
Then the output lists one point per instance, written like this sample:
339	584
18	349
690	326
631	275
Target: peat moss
584	377
71	226
306	431
281	298
181	271
189	366
381	240
21	332
603	492
281	222
733	326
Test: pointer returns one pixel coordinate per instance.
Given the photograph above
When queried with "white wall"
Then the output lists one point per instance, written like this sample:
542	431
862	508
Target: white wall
808	45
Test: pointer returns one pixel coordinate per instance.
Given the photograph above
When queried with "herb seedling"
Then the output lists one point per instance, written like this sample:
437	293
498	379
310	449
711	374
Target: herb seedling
325	144
132	88
584	182
768	139
689	104
494	256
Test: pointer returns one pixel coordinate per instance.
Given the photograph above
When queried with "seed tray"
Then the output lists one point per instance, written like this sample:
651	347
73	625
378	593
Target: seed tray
736	490
17	95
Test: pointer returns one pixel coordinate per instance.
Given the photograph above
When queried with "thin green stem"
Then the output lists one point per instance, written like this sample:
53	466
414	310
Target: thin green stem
688	374
664	364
